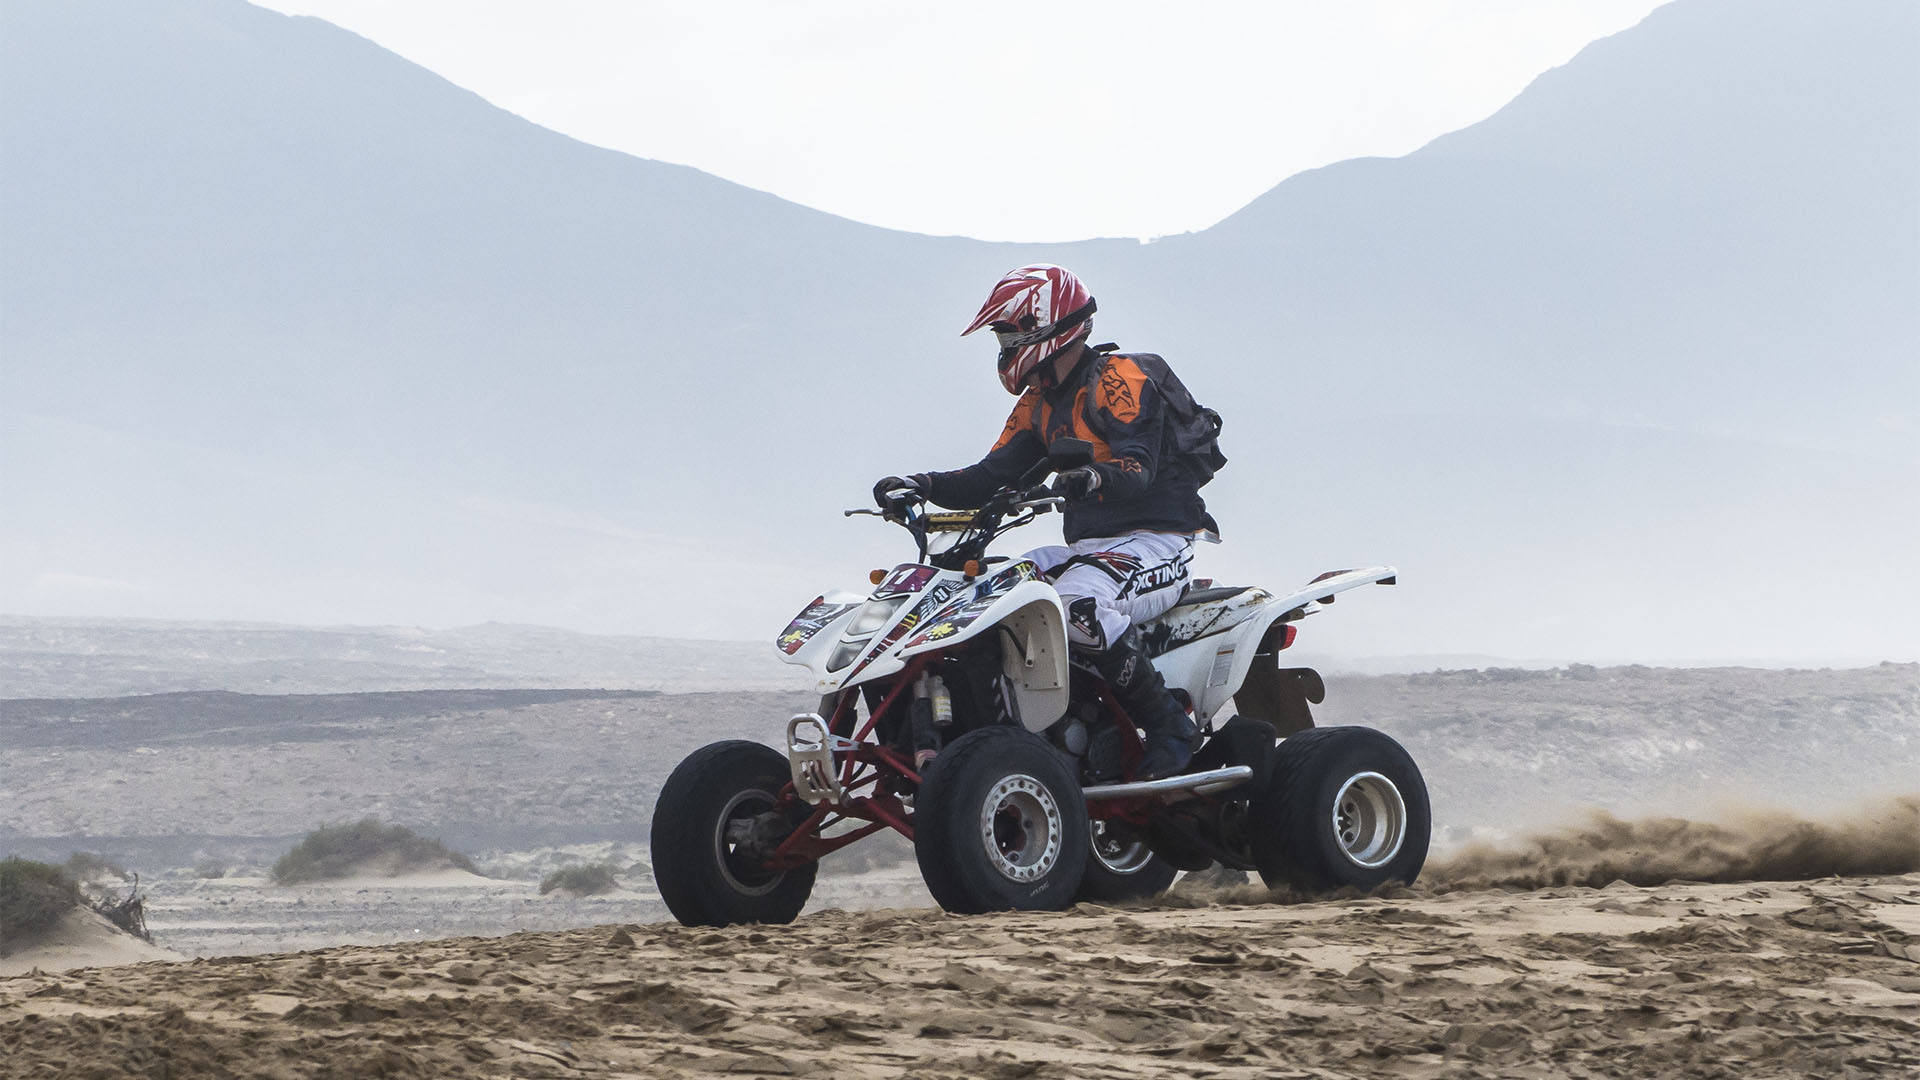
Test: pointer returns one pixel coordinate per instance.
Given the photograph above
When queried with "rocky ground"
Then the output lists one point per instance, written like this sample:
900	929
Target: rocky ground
1736	981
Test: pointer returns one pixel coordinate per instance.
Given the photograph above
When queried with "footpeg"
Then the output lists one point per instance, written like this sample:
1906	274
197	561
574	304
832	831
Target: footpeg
1200	783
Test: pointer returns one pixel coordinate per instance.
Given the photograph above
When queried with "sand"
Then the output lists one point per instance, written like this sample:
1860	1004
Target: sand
82	938
1738	980
235	915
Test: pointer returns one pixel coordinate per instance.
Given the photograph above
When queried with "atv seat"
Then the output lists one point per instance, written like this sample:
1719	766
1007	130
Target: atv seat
1200	613
1208	595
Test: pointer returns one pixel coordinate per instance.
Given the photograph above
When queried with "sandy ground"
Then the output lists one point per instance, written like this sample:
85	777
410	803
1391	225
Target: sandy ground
83	938
1816	979
251	915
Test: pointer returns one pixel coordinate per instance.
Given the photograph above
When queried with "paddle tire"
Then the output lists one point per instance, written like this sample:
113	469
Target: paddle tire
715	811
1345	806
1000	824
1120	866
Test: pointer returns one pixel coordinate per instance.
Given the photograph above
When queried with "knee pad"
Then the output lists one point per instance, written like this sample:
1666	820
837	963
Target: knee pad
1083	625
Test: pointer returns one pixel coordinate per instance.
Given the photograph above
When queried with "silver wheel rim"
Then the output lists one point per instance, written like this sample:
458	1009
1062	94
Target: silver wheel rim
1020	828
1369	820
1116	856
725	853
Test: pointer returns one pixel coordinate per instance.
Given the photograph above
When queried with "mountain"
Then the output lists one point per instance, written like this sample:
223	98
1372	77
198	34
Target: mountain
295	330
1706	223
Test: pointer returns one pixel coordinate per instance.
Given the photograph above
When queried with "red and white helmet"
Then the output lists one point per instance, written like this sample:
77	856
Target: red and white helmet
1035	311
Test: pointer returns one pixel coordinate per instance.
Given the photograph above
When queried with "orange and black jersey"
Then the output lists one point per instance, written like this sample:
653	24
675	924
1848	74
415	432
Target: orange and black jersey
1134	411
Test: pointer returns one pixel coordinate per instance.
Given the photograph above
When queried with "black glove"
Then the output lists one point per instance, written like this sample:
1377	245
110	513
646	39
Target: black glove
1078	483
917	484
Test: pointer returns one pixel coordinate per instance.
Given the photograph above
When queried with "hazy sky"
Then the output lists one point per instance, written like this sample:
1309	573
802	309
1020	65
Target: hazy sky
1004	121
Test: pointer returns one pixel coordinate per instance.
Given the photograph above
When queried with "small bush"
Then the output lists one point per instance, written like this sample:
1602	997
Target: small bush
33	897
337	851
85	866
590	880
210	869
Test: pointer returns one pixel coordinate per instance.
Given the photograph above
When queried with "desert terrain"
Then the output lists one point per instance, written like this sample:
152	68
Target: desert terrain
1813	979
1637	872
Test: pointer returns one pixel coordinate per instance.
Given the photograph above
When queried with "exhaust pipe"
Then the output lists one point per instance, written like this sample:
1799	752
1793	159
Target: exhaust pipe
1200	783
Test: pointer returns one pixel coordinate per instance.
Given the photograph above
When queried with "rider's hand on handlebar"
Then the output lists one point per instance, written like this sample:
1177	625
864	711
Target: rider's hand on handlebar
1077	483
890	489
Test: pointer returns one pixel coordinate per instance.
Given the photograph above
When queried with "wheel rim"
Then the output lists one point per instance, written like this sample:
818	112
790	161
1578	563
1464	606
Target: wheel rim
1020	828
743	873
1116	853
1369	820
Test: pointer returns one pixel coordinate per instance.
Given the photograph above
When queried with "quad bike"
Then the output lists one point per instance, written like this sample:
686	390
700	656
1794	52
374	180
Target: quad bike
953	713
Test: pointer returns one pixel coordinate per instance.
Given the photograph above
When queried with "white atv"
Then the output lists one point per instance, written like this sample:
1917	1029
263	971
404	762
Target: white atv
953	713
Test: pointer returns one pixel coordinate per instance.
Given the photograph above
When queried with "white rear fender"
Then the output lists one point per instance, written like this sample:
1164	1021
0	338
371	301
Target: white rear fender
1213	669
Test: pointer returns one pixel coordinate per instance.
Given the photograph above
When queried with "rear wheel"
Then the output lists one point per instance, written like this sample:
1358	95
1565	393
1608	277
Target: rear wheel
1120	866
716	820
1346	806
999	823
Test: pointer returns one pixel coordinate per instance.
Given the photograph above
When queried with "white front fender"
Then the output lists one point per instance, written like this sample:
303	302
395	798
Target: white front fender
1034	655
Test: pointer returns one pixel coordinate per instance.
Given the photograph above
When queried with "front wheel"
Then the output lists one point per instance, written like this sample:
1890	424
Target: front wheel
1120	866
717	817
1345	806
999	823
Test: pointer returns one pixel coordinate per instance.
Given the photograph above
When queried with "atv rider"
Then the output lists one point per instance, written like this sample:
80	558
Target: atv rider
1131	517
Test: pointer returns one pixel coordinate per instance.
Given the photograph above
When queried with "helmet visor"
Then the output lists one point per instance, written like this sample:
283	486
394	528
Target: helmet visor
1013	338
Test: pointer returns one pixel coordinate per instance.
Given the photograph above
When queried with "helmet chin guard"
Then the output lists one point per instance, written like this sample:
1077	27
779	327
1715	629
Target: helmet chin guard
1036	311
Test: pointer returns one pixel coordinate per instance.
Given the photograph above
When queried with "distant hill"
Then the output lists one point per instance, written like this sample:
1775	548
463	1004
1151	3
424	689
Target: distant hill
1504	752
295	330
68	658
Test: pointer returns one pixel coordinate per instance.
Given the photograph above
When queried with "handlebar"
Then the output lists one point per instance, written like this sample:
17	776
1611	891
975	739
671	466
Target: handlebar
1008	508
1040	500
1042	503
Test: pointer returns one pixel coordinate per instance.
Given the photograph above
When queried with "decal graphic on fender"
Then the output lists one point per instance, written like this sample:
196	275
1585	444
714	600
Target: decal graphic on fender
908	578
809	622
1009	576
926	606
1189	623
984	596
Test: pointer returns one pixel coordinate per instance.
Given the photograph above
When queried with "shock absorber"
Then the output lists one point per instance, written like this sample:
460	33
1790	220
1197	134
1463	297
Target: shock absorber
931	712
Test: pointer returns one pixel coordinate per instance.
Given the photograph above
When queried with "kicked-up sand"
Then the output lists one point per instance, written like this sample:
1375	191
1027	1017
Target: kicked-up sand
1739	980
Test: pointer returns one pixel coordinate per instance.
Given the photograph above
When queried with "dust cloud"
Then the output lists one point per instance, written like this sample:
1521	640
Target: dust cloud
1878	838
1882	837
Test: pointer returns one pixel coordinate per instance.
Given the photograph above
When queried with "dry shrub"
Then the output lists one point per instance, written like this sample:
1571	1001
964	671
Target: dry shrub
338	851
589	880
33	897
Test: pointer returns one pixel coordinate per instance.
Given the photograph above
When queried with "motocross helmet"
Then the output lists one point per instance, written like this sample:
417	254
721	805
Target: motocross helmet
1036	312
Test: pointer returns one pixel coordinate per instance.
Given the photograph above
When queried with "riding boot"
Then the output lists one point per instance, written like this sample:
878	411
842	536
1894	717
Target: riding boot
1142	692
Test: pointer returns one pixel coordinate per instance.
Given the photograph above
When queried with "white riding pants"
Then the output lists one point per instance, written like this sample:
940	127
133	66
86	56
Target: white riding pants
1109	583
